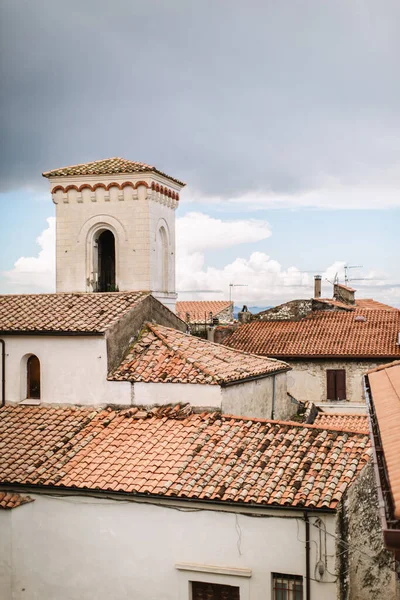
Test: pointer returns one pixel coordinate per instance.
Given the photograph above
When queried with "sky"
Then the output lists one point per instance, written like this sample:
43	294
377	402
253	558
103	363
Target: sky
283	119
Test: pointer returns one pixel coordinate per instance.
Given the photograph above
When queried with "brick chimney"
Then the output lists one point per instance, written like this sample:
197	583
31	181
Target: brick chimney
317	286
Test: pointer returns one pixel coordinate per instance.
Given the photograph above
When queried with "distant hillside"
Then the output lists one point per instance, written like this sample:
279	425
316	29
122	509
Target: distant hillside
253	309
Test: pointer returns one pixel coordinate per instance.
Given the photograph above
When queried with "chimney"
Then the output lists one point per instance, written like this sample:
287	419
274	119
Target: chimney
317	286
344	293
244	316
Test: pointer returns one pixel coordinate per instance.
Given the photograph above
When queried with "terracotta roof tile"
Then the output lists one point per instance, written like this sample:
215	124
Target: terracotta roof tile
385	391
199	311
349	422
172	452
86	312
10	500
362	304
166	355
107	166
360	333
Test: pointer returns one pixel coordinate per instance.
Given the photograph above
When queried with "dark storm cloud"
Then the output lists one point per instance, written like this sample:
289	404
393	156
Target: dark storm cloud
228	95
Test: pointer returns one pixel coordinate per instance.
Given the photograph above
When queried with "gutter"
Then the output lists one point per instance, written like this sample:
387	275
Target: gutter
391	534
55	333
203	504
255	377
3	372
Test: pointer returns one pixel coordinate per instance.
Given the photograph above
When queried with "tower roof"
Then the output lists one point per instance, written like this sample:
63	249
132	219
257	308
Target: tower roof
107	166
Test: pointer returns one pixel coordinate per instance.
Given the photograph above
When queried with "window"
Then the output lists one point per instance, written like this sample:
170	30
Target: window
214	591
33	377
336	384
287	587
106	262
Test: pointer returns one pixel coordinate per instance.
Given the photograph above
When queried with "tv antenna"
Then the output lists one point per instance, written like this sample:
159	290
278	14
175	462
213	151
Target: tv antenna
347	268
232	285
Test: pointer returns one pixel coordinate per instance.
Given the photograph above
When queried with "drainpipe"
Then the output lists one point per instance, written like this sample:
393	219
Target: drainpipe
273	396
307	524
3	372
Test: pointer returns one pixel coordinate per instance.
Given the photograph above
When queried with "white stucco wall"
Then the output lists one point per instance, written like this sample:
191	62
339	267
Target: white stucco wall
254	398
74	548
73	370
250	399
307	380
5	555
196	394
134	215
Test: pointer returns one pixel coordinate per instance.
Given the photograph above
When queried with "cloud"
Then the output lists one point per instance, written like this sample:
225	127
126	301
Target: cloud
198	232
35	273
264	280
275	105
334	196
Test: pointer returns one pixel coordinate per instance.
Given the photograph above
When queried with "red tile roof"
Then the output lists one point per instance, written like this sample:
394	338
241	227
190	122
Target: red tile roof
164	355
349	422
10	500
107	166
65	312
358	334
385	391
174	453
199	311
362	304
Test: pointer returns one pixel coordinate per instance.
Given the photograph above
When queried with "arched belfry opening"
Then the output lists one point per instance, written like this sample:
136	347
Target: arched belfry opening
106	281
33	377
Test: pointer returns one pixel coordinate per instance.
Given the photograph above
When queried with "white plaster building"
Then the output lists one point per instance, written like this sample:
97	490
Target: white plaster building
170	504
115	228
165	366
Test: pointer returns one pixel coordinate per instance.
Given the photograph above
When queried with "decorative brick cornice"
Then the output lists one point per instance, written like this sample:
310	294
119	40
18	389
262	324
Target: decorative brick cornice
156	192
163	190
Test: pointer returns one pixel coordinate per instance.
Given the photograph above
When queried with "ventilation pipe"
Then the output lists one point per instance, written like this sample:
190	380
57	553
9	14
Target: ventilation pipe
317	286
3	372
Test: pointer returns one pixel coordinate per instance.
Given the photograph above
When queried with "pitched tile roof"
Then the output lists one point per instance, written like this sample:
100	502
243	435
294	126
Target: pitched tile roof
10	500
362	304
175	453
199	311
349	422
107	166
385	391
361	333
164	355
86	312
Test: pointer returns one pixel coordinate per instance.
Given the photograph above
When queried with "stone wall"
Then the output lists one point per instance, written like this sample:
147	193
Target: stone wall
307	380
365	567
127	328
290	311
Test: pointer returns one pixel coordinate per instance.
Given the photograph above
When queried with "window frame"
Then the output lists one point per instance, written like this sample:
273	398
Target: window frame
291	592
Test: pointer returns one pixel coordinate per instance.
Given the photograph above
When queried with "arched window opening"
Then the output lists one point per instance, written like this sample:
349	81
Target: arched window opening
162	260
33	377
106	262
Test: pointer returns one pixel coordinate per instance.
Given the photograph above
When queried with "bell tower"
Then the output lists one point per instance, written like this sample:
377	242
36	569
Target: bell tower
115	228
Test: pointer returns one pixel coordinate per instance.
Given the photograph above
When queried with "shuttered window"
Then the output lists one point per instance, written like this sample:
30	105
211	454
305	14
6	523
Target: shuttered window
214	591
336	384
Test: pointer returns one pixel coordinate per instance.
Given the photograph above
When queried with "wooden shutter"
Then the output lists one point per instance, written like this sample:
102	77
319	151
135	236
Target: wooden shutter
330	384
340	384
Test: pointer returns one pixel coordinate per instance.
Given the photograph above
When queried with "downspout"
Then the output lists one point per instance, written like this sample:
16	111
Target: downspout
273	396
308	580
3	372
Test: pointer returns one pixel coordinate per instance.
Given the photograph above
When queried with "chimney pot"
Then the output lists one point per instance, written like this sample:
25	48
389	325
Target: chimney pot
317	286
